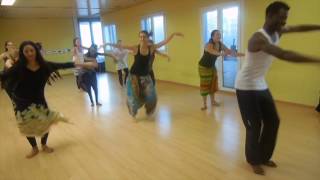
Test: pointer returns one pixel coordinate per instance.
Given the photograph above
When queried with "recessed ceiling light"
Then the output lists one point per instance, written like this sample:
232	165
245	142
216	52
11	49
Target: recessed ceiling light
7	2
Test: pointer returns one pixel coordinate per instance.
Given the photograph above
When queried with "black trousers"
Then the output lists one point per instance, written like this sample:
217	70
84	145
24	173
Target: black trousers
33	141
126	70
94	84
261	121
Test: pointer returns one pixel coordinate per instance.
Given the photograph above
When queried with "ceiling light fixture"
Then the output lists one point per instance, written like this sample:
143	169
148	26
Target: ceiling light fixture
7	2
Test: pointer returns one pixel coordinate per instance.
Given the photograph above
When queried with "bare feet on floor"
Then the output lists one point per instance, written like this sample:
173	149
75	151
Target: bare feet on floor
257	169
270	164
33	153
203	108
47	149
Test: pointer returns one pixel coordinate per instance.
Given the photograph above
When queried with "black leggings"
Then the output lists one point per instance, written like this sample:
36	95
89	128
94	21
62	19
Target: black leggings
126	70
261	121
93	83
78	81
33	142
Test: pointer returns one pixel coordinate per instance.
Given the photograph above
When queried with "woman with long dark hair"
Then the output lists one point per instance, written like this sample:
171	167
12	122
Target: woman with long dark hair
26	80
207	69
140	88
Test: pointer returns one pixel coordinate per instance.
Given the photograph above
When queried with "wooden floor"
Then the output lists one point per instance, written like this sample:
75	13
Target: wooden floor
179	142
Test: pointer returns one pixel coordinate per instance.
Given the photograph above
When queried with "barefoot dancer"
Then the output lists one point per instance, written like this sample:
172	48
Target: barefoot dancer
256	104
27	79
207	69
140	88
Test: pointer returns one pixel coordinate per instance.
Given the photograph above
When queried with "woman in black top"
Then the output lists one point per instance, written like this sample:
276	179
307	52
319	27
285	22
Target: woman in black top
140	88
207	70
26	81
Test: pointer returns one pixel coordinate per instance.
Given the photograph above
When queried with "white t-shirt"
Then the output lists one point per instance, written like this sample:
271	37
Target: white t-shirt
122	58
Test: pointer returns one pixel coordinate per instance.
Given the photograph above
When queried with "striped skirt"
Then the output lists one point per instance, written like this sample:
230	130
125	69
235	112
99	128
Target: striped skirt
141	91
208	80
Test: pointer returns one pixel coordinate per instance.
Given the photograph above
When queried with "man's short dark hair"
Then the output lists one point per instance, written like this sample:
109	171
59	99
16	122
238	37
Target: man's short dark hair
275	7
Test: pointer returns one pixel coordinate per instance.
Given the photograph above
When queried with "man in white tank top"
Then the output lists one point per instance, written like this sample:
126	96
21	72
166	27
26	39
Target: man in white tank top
256	104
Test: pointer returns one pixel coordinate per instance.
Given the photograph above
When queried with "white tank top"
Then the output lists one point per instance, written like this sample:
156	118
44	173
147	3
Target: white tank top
256	64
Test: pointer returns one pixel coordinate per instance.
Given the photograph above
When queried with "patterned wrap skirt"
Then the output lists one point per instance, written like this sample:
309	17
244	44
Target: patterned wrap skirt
208	80
34	118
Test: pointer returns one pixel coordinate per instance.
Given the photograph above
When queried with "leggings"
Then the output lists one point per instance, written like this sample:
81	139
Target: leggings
33	142
126	70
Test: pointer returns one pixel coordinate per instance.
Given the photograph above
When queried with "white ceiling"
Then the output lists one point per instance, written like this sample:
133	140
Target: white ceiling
64	8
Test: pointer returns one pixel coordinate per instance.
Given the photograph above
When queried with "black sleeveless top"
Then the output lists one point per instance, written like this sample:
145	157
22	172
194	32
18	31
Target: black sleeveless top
208	60
141	64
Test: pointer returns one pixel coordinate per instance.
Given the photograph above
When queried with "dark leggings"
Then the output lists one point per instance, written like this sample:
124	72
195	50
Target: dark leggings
78	81
126	70
33	142
93	83
152	77
261	121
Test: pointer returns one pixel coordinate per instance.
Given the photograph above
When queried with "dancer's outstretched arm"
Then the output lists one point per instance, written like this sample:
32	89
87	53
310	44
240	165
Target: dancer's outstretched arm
259	43
300	28
166	41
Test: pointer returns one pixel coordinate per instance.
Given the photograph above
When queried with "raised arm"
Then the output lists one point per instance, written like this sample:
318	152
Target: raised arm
166	41
230	52
84	47
8	63
260	43
210	49
300	28
131	48
54	66
109	55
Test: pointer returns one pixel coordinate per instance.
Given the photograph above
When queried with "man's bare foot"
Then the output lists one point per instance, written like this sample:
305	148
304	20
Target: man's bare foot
47	149
33	153
257	169
270	164
203	108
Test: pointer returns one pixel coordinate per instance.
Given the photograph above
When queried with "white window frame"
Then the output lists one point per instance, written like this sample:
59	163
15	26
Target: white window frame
114	37
165	49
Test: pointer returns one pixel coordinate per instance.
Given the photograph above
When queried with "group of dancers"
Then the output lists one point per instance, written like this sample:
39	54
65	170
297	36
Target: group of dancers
26	72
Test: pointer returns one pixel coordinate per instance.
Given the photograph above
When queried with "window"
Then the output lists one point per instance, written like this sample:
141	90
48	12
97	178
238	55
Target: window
155	24
90	33
110	35
225	18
